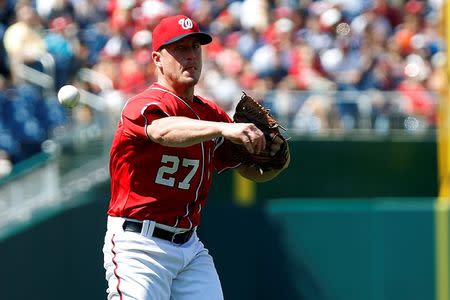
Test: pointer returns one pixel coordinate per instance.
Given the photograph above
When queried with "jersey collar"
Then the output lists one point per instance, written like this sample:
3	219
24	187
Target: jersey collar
196	98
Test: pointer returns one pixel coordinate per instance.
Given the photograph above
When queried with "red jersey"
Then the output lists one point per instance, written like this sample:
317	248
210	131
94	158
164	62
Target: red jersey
149	181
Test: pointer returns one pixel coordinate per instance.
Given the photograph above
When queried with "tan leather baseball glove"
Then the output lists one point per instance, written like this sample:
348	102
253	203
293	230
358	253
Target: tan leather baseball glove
250	111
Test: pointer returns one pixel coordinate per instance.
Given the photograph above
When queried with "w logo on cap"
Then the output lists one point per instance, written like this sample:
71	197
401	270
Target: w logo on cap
185	23
174	28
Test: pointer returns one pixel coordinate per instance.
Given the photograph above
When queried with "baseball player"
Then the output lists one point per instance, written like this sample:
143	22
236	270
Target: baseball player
167	145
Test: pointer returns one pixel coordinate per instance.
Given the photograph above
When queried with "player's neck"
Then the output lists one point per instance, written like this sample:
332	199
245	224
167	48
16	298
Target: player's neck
182	91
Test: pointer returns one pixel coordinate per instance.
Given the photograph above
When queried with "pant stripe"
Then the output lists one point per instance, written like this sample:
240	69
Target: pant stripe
116	266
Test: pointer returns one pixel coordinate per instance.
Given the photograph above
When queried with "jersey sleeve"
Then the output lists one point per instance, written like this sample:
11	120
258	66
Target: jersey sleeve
137	115
223	159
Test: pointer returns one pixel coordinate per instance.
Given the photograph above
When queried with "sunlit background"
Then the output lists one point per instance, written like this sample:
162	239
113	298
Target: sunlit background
360	86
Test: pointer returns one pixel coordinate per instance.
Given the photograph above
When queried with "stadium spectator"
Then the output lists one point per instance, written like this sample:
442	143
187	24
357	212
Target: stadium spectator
23	40
135	69
289	46
58	43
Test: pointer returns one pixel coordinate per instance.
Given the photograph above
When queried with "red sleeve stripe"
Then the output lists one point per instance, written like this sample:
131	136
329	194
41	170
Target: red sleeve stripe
116	267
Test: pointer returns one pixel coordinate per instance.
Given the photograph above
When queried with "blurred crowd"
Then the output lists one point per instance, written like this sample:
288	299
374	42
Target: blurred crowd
271	48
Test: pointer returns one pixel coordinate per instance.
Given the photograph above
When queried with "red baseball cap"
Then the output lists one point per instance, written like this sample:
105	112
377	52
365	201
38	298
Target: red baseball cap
174	28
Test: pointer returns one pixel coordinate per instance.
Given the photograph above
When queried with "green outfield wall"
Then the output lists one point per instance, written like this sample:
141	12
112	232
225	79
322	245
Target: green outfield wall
350	167
401	167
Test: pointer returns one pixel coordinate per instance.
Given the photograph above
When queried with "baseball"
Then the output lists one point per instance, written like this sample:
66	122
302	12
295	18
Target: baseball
68	96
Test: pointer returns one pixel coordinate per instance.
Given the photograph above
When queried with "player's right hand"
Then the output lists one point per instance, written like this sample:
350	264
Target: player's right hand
246	134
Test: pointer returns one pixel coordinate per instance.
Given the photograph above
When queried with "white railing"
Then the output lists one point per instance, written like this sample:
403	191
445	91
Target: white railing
44	79
363	112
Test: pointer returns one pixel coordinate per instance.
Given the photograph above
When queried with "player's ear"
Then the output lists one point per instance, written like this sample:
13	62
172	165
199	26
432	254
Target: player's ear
156	56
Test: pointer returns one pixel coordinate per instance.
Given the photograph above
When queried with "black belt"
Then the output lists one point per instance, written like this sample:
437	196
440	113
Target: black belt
177	238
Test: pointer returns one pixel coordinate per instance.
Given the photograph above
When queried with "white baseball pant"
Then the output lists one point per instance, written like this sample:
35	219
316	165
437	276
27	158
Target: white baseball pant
142	267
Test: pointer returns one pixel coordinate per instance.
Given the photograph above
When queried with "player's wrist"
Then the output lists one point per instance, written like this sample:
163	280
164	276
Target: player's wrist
222	128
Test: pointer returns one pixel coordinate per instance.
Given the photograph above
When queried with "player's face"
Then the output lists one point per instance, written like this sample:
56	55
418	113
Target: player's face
181	61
